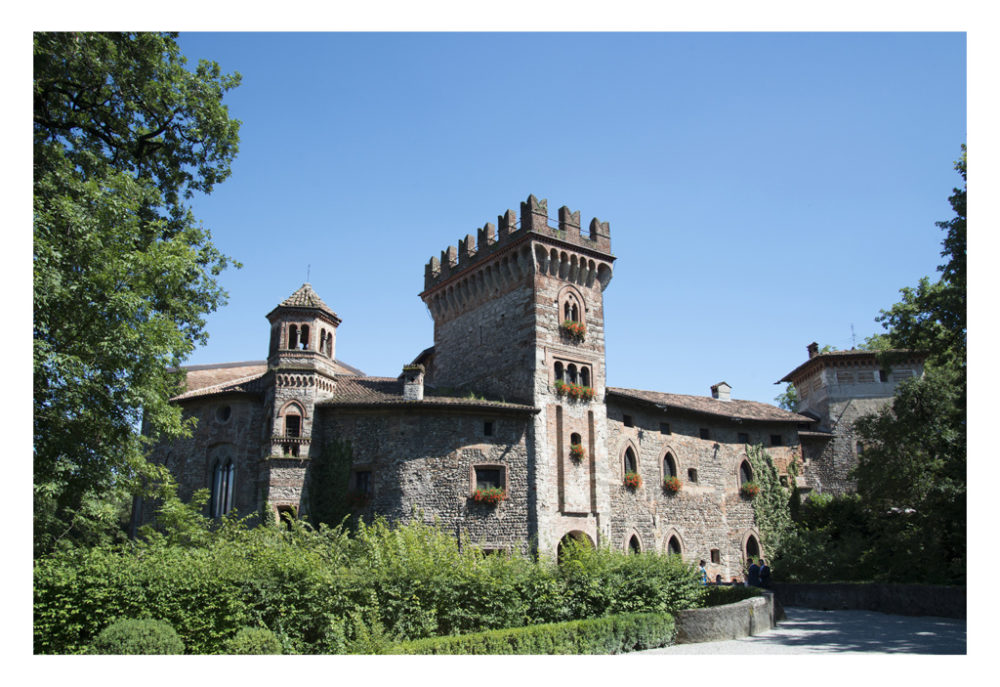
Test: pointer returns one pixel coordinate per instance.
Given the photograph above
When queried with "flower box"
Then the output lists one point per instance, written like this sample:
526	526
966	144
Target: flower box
671	485
490	496
576	452
749	489
632	480
574	330
574	391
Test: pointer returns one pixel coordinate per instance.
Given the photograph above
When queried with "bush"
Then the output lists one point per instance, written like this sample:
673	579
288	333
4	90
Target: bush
145	637
608	635
253	640
720	596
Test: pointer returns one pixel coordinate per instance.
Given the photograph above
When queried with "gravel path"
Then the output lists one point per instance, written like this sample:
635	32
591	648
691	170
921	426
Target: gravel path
808	631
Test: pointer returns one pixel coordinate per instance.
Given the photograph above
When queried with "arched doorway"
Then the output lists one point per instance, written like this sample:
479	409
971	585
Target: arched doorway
674	546
752	548
633	545
574	538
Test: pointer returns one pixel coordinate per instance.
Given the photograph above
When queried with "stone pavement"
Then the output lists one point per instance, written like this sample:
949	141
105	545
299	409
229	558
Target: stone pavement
809	631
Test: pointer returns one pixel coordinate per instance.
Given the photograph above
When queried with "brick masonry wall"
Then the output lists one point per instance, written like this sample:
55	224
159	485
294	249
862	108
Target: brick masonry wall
703	515
422	466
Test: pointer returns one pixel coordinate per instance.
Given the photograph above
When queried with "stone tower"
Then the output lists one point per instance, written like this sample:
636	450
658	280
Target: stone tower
519	316
301	359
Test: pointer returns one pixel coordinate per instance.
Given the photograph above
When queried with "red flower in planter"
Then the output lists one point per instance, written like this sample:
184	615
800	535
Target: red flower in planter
491	495
576	452
671	484
632	480
575	330
750	489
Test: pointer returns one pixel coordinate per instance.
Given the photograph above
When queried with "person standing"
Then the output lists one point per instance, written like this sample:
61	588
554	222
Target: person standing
753	574
765	574
704	573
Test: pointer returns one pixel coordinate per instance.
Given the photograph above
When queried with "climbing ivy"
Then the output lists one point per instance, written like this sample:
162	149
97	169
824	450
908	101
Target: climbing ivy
327	484
770	506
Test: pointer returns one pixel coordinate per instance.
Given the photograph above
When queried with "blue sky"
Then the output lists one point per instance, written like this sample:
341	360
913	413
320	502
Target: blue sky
764	190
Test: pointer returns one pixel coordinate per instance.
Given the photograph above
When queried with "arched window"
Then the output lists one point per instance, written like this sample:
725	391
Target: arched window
559	372
746	474
674	546
223	481
575	438
633	544
585	376
322	341
305	337
669	466
752	548
571	374
293	336
293	424
630	463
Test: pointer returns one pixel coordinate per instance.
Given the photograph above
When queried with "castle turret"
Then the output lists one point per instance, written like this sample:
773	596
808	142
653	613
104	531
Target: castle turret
519	316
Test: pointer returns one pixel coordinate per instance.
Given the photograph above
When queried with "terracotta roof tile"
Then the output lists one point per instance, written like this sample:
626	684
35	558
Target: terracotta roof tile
305	297
744	410
239	385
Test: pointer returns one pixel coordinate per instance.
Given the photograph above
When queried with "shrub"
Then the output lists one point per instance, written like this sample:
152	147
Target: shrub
720	596
608	635
253	640
128	636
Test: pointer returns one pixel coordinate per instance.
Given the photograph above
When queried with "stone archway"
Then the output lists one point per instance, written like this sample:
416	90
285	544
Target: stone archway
576	536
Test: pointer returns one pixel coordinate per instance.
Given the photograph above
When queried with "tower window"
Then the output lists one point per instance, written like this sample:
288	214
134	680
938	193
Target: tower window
293	425
305	337
488	428
293	336
703	433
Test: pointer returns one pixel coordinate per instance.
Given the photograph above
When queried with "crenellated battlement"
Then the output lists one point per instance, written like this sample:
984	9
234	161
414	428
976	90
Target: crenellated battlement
492	239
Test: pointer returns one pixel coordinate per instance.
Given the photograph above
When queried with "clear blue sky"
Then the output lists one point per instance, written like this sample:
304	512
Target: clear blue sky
764	190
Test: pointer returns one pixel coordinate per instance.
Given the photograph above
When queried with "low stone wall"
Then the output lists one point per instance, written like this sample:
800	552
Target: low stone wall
898	599
731	621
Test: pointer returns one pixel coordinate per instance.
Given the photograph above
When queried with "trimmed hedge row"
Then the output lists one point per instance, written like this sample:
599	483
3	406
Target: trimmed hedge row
608	635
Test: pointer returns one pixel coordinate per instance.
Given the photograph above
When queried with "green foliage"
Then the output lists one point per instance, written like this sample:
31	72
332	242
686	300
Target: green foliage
788	399
253	640
771	505
728	594
325	591
328	481
609	635
144	637
124	276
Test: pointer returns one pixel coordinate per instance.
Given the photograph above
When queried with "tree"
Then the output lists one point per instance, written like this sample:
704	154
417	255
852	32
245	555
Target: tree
912	473
124	135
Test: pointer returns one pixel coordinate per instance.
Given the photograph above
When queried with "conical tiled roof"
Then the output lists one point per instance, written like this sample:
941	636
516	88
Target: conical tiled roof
305	297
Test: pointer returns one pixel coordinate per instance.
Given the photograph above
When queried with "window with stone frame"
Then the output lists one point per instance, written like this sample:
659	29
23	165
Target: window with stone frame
669	465
629	461
361	482
223	480
489	477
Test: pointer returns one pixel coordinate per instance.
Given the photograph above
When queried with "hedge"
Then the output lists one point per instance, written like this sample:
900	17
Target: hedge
609	635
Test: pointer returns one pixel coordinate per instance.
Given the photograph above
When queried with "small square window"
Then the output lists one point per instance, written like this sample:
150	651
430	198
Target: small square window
775	440
692	475
883	375
488	428
627	419
703	432
664	428
743	438
489	478
716	558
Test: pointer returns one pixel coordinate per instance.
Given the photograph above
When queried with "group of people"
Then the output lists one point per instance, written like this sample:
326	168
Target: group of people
758	575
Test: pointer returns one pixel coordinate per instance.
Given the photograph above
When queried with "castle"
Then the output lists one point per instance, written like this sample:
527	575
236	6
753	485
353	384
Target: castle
505	430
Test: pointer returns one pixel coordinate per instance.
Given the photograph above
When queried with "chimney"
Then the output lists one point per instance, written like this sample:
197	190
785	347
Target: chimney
813	349
721	391
413	382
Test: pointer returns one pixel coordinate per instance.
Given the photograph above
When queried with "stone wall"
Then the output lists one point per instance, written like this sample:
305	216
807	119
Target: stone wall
705	514
217	435
422	466
730	621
